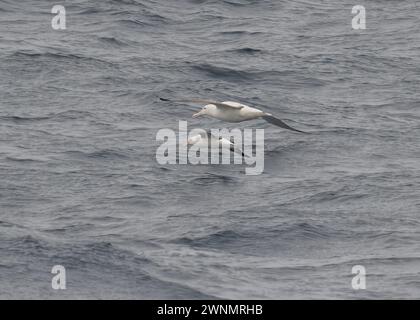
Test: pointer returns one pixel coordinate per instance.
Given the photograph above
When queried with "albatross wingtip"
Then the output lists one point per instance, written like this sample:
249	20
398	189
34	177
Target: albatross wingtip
273	120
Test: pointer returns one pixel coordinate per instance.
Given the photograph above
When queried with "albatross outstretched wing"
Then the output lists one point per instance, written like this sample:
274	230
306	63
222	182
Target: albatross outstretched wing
273	120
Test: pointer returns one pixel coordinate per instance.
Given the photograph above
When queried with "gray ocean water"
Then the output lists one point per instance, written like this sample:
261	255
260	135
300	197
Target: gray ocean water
80	185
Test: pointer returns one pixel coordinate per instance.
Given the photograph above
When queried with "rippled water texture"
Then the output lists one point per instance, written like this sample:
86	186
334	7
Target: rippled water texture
80	185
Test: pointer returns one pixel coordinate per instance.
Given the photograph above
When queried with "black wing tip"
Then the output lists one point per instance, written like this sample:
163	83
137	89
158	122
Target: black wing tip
300	131
273	120
163	99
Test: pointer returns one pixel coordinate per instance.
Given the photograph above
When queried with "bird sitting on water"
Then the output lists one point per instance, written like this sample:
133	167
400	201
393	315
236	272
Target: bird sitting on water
206	138
233	112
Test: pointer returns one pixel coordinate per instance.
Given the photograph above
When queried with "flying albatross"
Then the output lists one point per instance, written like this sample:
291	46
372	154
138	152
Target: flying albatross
233	112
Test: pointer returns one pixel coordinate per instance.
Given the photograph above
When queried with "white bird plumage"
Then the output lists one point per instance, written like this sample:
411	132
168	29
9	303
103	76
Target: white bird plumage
206	139
230	111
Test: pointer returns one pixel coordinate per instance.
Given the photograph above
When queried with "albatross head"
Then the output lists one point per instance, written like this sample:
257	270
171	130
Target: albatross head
207	109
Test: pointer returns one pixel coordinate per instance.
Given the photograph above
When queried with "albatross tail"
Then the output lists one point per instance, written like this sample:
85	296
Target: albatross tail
273	120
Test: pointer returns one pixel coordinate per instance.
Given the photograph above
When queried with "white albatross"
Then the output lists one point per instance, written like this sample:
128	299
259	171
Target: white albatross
233	112
206	138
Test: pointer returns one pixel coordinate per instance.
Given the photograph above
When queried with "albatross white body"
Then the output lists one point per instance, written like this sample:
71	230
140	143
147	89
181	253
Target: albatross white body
206	139
237	113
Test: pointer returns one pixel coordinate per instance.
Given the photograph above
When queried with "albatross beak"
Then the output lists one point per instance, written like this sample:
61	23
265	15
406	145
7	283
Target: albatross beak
195	115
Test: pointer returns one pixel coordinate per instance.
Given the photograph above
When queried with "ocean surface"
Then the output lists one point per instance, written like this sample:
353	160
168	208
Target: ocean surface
80	185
